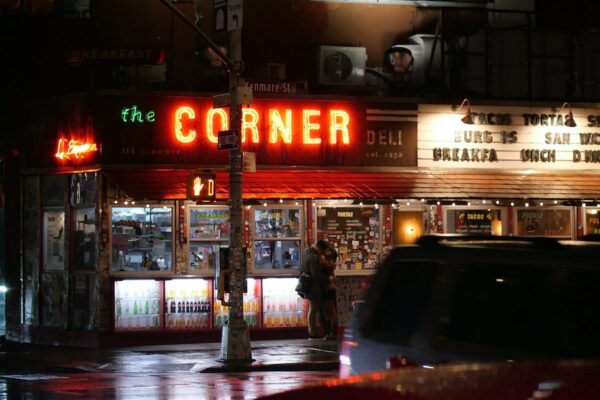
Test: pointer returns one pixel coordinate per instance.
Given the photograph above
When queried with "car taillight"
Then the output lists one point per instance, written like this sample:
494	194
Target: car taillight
399	361
345	362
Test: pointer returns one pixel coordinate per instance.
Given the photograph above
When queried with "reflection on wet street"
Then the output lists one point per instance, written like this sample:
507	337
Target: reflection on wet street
162	372
173	385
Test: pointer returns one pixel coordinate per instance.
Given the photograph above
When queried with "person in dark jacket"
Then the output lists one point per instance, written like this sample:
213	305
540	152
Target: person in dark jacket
311	265
328	263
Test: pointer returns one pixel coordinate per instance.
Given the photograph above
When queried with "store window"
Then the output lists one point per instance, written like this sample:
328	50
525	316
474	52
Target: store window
84	240
592	222
474	221
208	231
553	222
54	240
84	193
354	232
142	238
277	238
408	225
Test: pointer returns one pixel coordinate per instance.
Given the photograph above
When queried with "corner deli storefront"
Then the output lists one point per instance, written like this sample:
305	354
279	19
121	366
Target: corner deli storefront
114	252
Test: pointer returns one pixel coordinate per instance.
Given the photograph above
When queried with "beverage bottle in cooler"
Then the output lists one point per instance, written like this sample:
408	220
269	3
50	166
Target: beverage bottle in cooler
119	309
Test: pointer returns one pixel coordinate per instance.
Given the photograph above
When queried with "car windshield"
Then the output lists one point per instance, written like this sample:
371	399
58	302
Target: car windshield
549	311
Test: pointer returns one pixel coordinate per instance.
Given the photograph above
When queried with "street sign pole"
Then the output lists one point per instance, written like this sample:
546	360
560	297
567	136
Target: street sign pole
235	338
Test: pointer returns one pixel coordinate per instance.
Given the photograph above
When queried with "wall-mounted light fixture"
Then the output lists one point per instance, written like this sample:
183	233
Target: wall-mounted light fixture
466	119
569	121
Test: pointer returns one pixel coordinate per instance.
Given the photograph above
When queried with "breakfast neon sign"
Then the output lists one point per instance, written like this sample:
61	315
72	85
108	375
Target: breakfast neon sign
281	125
68	149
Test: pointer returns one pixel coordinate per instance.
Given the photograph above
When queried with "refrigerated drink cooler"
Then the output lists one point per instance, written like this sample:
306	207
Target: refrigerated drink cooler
190	304
137	305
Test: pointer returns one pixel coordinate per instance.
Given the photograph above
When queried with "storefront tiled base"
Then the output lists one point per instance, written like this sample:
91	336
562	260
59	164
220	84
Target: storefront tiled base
89	339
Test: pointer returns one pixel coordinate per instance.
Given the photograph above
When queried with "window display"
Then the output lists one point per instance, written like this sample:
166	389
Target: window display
54	240
592	222
137	305
474	221
208	230
84	240
142	238
251	305
355	234
276	254
555	222
277	222
187	304
277	238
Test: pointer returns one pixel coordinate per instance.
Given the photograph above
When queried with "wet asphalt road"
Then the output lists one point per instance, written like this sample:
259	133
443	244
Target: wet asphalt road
162	372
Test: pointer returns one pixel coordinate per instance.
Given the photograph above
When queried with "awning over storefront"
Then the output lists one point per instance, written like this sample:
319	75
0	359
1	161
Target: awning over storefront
335	184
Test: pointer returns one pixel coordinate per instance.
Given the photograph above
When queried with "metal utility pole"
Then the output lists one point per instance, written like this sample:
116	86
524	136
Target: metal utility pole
235	339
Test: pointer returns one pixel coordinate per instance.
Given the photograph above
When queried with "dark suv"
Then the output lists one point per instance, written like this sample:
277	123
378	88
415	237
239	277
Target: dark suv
460	299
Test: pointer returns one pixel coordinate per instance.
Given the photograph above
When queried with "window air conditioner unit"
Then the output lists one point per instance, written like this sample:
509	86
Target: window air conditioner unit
342	65
417	71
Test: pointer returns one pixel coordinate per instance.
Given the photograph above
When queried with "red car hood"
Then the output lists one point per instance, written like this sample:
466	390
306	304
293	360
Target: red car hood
539	380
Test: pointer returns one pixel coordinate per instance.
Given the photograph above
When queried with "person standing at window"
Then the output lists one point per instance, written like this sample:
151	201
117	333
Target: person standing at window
328	262
311	266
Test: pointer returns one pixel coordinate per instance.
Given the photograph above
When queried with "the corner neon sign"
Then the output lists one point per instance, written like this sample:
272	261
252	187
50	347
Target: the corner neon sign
68	149
279	125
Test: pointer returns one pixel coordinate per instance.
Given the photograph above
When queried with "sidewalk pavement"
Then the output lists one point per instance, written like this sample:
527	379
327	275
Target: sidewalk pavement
272	355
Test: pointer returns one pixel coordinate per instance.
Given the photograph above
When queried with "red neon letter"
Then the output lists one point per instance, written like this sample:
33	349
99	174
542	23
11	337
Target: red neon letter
191	132
61	149
249	121
309	126
338	121
277	125
210	115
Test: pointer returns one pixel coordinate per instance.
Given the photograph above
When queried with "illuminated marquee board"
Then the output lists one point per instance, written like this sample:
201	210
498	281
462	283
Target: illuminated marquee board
508	138
280	132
